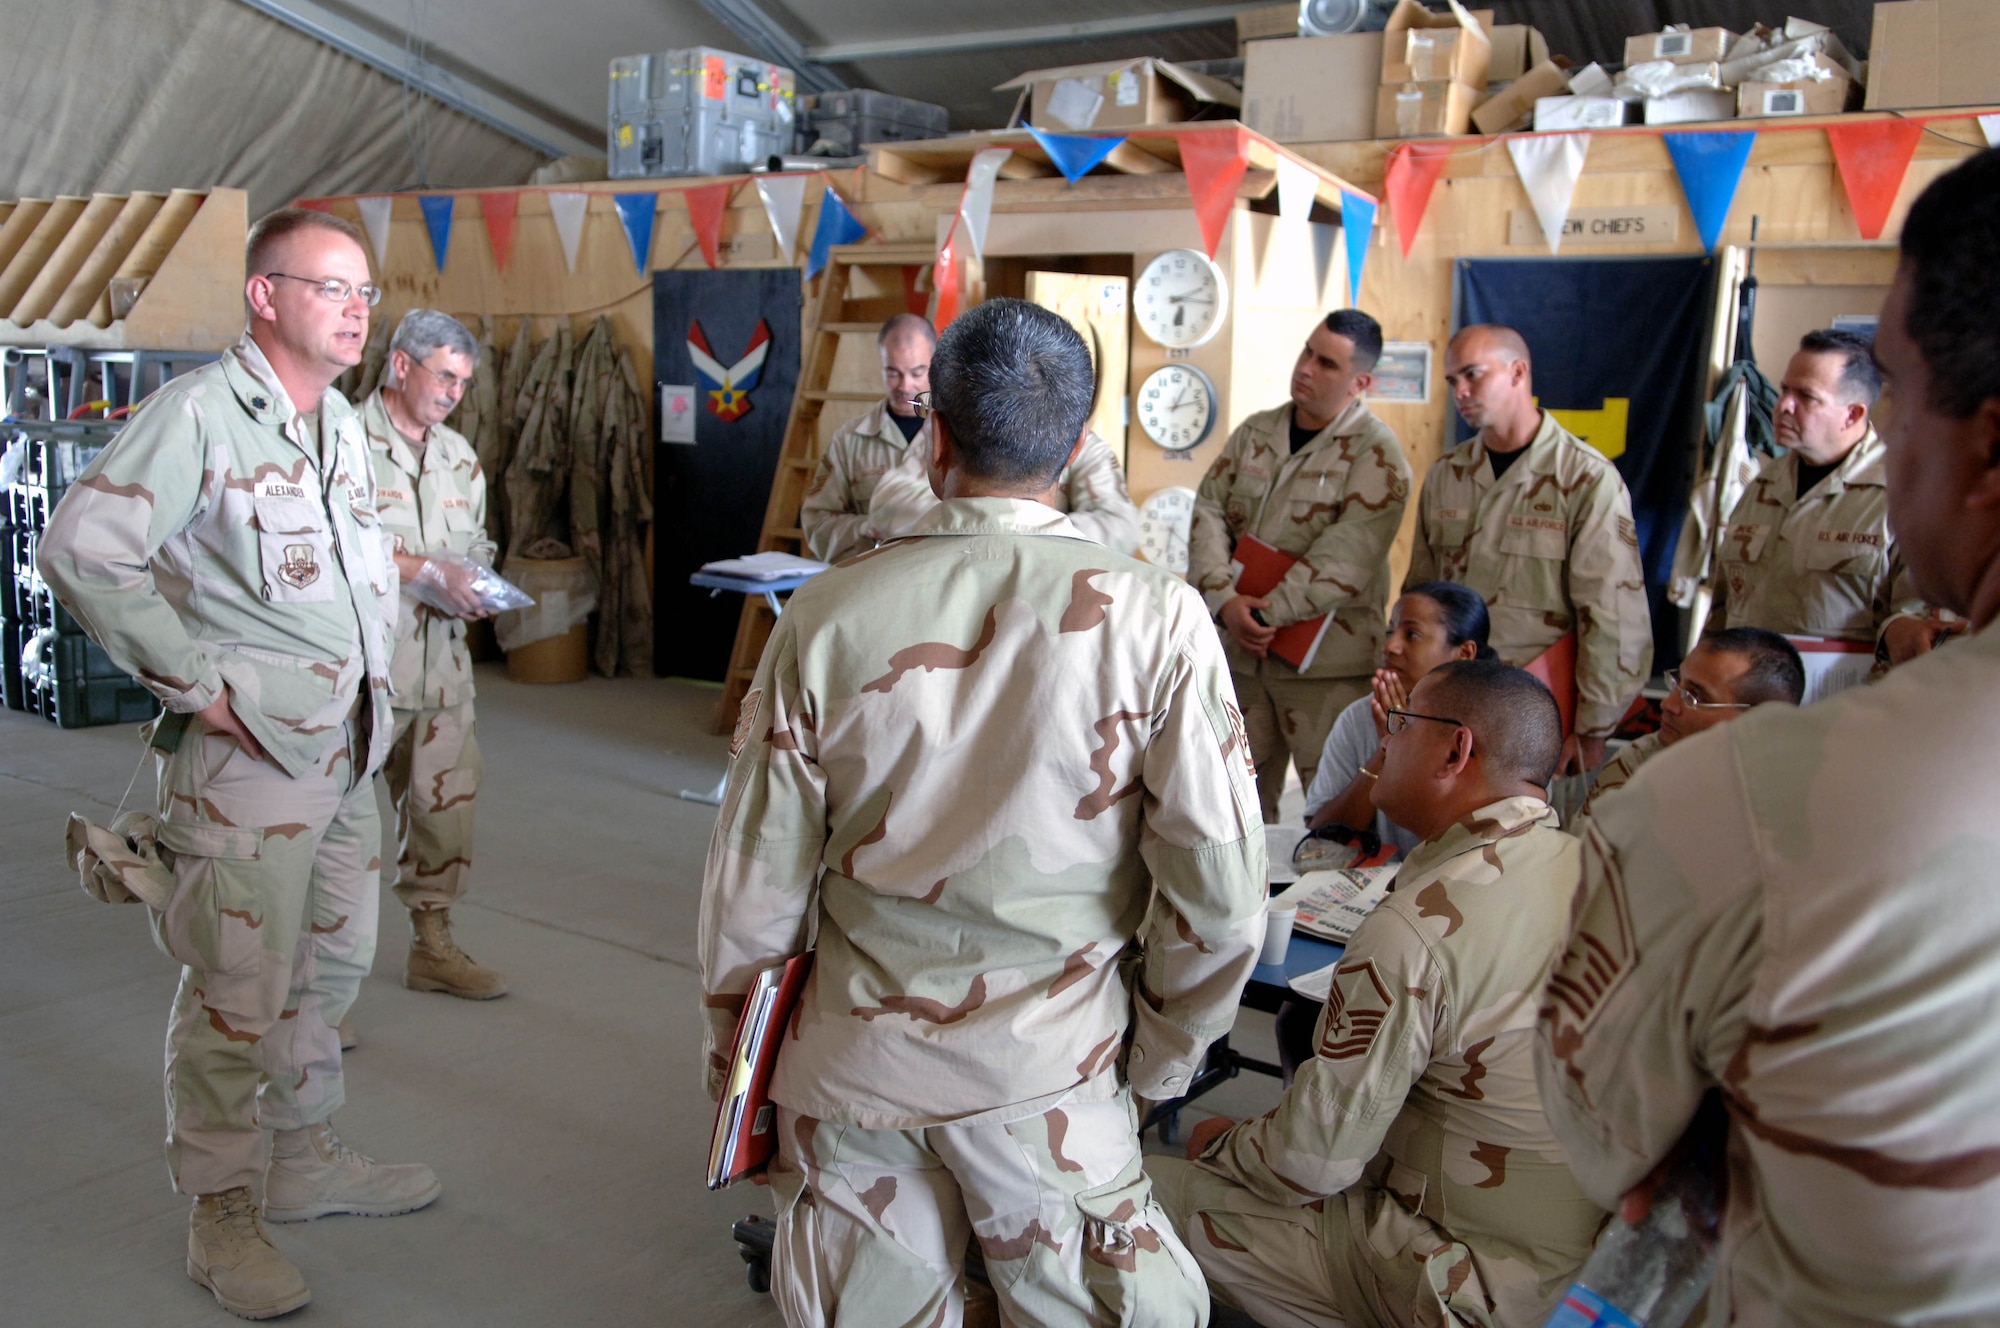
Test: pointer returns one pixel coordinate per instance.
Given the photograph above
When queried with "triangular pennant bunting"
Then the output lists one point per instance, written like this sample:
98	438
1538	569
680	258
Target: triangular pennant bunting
1710	165
1873	154
437	220
836	225
784	199
1407	183
635	214
1989	125
375	217
1297	188
1549	165
1073	154
567	209
497	211
315	205
706	204
975	208
1357	227
944	276
1215	160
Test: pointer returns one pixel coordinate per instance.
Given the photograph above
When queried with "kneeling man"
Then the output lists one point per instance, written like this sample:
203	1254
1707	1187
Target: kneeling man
1408	1174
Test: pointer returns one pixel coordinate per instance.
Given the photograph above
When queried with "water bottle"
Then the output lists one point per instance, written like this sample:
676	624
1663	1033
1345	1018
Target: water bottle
1655	1274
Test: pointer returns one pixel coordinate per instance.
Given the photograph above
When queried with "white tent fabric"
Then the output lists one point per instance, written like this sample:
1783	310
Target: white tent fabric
109	96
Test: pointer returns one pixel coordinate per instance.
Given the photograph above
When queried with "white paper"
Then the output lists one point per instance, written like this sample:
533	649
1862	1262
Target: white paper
677	408
1332	904
1127	83
1074	103
568	209
976	204
375	217
766	566
1549	165
1279	841
784	199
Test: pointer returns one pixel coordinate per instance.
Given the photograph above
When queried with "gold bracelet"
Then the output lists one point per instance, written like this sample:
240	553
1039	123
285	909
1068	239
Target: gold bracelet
1363	769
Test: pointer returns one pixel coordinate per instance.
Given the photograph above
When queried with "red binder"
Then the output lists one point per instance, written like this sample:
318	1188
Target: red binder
746	1136
1556	667
1262	568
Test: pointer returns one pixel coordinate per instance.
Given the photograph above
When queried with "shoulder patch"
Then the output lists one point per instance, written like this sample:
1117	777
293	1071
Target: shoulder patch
746	719
1356	1005
1601	952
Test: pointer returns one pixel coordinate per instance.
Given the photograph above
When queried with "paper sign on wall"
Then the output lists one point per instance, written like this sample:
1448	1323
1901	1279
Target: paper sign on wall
677	410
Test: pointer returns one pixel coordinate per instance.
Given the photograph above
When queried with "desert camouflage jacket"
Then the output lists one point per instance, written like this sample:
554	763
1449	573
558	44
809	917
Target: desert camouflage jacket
1093	495
216	540
1420	1102
996	770
1821	565
834	515
1798	908
1335	505
1617	773
436	505
1552	546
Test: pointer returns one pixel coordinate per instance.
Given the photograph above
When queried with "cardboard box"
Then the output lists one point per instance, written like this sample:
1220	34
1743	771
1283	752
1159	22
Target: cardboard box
1119	94
1696	47
1934	53
1424	110
1312	89
1566	113
1259	24
1692	106
1515	107
1829	96
1419	46
1517	48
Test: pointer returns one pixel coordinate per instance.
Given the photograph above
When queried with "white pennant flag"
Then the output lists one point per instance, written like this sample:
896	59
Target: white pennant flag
1549	165
784	202
976	205
1297	187
1990	126
568	210
375	216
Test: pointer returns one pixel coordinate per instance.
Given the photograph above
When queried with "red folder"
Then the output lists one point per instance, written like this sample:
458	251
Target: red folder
1556	667
746	1136
1262	568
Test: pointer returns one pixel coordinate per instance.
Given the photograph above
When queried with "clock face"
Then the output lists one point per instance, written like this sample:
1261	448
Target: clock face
1180	298
1164	521
1176	406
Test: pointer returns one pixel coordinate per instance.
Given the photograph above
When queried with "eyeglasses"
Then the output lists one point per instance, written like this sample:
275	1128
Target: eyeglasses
926	405
450	382
340	292
1693	702
1398	720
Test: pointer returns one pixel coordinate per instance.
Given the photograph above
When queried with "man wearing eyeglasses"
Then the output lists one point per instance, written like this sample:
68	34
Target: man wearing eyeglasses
1408	1175
1728	674
225	549
432	497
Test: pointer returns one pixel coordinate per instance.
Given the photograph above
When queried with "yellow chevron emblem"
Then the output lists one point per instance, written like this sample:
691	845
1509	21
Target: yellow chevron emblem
1603	428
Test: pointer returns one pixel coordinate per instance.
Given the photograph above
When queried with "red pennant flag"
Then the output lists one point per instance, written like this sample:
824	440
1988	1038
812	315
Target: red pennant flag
706	204
944	276
1873	154
1214	160
497	211
316	205
1413	172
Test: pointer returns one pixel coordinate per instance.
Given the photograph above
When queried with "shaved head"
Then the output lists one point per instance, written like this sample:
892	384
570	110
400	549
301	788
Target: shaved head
1482	339
1516	727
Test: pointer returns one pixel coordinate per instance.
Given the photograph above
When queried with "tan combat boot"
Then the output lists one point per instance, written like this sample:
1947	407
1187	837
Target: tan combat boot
313	1174
231	1254
437	964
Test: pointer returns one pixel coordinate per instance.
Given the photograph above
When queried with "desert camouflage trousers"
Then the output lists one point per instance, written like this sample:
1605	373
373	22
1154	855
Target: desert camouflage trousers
433	771
1287	718
273	917
873	1224
1289	1266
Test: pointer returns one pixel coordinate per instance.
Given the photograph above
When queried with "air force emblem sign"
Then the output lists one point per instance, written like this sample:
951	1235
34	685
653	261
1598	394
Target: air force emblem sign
728	387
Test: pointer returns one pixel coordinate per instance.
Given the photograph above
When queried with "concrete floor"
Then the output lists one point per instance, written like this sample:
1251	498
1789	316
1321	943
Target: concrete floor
566	1120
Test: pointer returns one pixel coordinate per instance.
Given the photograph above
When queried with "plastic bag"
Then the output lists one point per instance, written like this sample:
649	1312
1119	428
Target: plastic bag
496	593
564	595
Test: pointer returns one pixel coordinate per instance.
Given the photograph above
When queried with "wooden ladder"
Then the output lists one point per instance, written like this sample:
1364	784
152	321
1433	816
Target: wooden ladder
829	319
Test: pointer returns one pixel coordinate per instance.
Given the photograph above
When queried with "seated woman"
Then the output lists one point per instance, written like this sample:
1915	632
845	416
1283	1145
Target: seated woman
1432	624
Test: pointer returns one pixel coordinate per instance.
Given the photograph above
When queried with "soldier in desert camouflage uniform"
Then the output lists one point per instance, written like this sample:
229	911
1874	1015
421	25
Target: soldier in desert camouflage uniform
1091	492
1541	525
225	549
834	515
431	493
994	770
1408	1175
1323	480
1799	911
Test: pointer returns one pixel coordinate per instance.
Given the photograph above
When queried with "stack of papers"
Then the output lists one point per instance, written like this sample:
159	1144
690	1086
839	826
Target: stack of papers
766	566
1332	904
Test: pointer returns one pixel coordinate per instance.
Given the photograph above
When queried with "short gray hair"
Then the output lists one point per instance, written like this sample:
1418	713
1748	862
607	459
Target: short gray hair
425	330
1014	382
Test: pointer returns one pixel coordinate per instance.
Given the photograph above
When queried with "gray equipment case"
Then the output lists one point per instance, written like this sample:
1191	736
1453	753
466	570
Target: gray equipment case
697	111
844	122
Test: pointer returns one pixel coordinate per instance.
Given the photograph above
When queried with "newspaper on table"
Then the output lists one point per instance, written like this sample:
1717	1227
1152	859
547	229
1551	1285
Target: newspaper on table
1332	904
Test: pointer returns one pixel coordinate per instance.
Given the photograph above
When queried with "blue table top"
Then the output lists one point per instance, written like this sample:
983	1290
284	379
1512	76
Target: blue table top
746	585
1303	955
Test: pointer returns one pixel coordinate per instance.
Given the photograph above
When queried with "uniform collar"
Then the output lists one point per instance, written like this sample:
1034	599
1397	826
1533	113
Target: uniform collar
256	385
995	516
1345	425
879	425
1489	825
1862	467
1538	457
382	429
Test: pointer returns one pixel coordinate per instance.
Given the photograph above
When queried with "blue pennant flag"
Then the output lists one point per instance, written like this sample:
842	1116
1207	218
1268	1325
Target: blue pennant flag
1073	154
836	225
437	220
635	214
1357	226
1710	165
